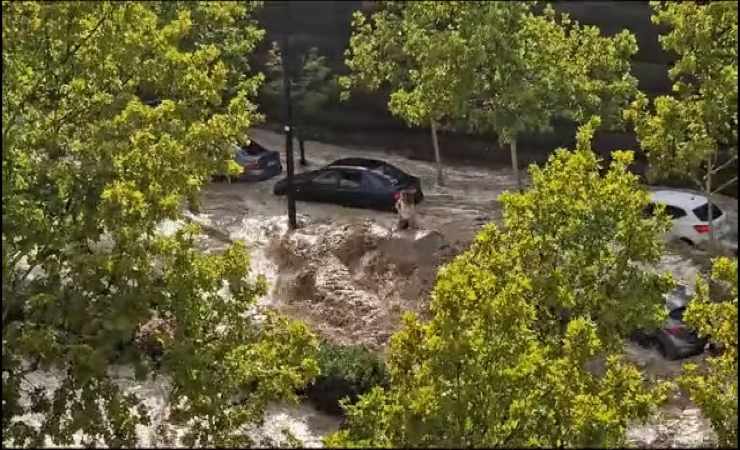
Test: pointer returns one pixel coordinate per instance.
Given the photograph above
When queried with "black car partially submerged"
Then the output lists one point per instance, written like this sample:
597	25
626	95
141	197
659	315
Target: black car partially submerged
356	182
675	340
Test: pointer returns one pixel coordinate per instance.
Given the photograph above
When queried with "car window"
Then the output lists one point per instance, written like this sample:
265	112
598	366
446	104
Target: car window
254	148
350	180
677	314
649	210
153	102
328	178
241	156
702	212
675	212
377	182
394	175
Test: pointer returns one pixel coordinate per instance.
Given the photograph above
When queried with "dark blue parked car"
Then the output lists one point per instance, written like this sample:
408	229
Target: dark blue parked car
357	182
675	340
257	162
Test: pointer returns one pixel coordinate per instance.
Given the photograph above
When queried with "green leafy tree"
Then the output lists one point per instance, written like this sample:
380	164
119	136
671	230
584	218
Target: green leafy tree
401	48
587	235
89	172
313	86
494	66
533	68
714	388
520	318
692	134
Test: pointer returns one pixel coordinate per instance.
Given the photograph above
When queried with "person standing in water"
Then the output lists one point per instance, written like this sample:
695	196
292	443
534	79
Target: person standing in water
406	210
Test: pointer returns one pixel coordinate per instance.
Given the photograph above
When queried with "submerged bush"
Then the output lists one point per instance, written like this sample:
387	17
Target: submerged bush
345	372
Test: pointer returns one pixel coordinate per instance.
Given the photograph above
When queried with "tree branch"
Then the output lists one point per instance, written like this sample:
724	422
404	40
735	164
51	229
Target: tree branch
725	164
512	433
724	185
698	184
15	258
70	53
84	40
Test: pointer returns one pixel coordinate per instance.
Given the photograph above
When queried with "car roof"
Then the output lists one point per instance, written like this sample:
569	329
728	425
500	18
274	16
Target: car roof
361	169
252	146
343	167
678	198
358	162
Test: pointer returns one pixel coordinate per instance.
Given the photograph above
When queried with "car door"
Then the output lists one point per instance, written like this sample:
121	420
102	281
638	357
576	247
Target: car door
378	191
681	223
350	190
321	188
676	214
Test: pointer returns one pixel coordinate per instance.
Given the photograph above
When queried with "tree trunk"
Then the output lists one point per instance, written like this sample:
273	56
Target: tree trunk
303	149
440	175
292	222
515	164
708	193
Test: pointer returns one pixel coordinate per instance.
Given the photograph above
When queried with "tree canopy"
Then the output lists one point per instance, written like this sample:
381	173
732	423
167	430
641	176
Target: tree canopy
532	68
401	48
89	173
692	134
497	67
714	388
313	82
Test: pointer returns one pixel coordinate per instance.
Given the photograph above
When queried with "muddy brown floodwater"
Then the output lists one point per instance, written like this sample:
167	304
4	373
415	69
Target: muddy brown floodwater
346	274
351	278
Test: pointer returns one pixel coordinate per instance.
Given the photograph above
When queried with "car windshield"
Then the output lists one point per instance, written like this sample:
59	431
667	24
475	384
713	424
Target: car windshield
702	212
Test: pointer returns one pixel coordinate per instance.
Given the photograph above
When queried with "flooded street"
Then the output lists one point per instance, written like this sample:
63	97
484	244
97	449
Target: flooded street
346	274
456	211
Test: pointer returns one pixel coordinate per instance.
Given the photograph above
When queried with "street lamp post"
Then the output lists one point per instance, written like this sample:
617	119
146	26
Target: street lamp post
288	121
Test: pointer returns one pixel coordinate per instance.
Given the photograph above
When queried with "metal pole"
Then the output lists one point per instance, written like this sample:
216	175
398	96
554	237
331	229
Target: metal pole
288	121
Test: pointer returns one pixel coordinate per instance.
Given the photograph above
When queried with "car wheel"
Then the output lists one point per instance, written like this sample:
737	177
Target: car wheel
687	241
714	349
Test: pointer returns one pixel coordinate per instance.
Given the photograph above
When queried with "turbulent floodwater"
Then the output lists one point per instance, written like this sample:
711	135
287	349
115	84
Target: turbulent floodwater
250	212
456	210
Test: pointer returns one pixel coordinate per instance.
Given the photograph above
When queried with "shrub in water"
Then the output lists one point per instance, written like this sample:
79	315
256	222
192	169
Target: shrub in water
346	372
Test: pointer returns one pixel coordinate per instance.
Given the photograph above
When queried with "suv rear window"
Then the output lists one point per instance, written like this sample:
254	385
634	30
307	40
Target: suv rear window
677	314
702	212
672	211
254	148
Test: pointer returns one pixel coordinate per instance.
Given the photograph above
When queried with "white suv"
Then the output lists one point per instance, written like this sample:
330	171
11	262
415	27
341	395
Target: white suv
690	214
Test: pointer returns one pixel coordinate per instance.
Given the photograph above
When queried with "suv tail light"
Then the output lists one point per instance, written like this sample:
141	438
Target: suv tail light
701	229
